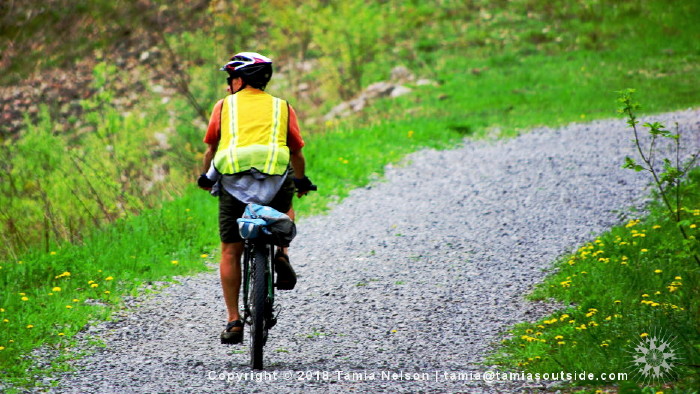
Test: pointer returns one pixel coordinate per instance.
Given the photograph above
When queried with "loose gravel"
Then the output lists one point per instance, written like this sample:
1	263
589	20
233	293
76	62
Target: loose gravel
415	276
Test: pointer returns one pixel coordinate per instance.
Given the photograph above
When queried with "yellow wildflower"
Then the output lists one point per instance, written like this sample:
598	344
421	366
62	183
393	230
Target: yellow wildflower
60	334
25	299
644	250
174	262
204	256
632	223
644	335
56	289
658	271
94	285
559	337
109	278
30	326
69	306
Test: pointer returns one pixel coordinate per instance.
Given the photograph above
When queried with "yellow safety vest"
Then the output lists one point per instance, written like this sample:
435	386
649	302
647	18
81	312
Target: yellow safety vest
253	134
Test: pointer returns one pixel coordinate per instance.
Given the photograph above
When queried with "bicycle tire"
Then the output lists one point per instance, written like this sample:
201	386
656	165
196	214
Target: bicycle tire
258	305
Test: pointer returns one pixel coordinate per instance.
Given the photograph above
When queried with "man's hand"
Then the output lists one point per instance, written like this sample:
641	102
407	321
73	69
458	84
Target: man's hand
304	186
205	183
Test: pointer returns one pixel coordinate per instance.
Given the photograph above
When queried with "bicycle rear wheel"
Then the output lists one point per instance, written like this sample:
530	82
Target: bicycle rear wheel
258	305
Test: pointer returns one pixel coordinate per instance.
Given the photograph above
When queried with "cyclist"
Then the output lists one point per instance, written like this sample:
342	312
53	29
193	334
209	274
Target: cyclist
254	155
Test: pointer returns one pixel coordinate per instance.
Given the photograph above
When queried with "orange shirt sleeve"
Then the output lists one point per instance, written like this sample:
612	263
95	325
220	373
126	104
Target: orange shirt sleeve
294	140
214	130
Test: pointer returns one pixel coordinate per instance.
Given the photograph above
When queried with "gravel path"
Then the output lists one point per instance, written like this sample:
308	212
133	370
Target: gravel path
418	274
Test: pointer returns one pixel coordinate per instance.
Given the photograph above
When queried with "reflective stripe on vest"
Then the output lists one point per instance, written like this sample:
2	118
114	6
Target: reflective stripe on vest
253	134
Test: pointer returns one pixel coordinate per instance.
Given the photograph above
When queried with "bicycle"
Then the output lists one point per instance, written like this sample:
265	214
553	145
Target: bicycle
263	229
258	295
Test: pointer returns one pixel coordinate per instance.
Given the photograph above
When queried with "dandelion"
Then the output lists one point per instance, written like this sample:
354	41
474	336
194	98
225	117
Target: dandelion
60	334
617	302
106	291
63	275
52	253
174	262
56	289
2	348
678	278
91	281
2	310
645	295
25	299
693	226
76	300
559	337
656	227
632	223
658	271
69	306
204	256
410	134
30	326
561	343
5	321
644	250
94	285
644	335
604	344
608	318
109	278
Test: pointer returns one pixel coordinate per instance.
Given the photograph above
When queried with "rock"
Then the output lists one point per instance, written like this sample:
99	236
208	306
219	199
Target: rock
400	91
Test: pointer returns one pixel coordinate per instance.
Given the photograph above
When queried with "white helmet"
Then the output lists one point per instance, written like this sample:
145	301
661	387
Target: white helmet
254	68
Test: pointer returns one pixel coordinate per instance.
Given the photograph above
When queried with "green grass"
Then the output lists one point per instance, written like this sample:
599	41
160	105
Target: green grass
636	281
49	297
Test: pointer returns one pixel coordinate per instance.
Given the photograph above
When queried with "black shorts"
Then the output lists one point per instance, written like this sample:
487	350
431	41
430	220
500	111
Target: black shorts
231	208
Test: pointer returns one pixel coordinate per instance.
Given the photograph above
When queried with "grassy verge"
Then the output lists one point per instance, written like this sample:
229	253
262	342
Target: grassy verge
636	282
49	297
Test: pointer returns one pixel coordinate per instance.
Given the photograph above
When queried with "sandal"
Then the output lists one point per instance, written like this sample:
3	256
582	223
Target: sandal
286	277
233	333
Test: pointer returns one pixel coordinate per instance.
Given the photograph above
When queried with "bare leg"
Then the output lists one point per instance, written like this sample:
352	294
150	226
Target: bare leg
230	268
